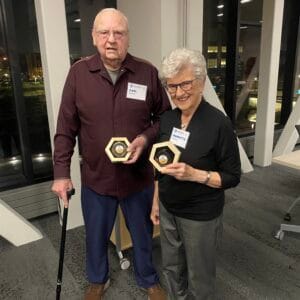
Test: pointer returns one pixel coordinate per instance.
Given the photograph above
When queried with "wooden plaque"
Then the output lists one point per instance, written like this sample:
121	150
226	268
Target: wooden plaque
163	154
116	149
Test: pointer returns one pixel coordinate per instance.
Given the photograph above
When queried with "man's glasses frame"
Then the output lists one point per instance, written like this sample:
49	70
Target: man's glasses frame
186	86
105	34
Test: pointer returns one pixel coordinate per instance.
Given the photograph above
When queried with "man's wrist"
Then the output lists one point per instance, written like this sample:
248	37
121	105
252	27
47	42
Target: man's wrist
61	178
143	137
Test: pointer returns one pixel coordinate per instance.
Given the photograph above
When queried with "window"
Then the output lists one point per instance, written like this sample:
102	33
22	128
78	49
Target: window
25	150
239	74
214	44
80	16
248	65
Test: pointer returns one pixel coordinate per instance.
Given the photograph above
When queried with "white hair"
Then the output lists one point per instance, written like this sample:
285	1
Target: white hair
110	10
181	58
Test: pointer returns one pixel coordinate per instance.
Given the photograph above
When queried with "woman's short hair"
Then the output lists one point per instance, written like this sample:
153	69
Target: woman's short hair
180	58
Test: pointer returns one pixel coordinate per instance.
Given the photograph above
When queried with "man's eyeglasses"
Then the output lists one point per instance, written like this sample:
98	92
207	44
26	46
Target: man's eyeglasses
186	86
105	34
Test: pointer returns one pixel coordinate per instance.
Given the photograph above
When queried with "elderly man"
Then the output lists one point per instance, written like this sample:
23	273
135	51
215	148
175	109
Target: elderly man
189	195
111	94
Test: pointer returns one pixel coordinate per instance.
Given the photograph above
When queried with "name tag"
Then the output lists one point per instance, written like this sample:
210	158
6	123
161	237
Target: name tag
179	137
136	91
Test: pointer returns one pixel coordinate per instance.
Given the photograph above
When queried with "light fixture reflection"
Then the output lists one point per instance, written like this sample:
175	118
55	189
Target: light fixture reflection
41	157
14	161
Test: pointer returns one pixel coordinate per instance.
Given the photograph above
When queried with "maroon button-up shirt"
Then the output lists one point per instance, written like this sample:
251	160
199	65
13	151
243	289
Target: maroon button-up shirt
96	110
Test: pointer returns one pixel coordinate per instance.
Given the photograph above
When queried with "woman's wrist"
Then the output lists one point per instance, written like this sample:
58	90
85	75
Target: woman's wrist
203	177
206	181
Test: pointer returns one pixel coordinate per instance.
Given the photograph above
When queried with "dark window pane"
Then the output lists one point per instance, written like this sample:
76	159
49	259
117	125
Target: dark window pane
33	87
80	16
214	44
25	152
248	66
10	158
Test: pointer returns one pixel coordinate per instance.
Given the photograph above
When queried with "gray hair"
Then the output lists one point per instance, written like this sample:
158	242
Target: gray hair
110	10
181	58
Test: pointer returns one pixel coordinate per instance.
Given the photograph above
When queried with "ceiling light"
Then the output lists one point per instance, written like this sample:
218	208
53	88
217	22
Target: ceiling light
245	1
77	20
220	15
220	6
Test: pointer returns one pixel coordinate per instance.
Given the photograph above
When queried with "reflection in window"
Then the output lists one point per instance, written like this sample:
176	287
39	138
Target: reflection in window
212	63
33	87
296	90
80	16
212	49
24	135
223	63
214	43
248	66
10	161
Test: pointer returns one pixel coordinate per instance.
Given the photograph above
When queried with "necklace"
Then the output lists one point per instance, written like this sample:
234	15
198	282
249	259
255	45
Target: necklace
185	120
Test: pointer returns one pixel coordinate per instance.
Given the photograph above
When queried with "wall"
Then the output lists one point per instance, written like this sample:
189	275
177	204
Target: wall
145	27
157	27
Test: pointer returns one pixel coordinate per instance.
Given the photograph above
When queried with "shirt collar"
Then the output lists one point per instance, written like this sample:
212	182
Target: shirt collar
95	63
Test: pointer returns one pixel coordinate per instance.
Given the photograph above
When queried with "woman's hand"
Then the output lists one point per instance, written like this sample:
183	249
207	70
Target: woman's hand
155	205
155	212
180	170
184	172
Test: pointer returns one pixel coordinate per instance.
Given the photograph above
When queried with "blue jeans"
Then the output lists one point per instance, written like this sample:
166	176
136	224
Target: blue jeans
99	213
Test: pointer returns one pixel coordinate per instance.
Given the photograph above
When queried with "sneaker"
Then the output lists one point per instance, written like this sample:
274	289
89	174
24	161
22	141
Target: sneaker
156	292
95	291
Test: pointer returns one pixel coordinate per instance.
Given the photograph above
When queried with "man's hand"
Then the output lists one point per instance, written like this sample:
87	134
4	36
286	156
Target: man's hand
136	148
60	188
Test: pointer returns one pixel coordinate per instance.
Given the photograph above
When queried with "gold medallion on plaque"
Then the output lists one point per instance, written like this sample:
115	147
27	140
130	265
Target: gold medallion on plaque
163	154
116	149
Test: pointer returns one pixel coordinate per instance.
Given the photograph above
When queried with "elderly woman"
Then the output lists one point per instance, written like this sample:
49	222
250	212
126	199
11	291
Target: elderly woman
189	195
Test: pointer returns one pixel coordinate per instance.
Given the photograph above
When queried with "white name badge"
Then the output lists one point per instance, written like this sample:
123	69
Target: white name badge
136	91
179	137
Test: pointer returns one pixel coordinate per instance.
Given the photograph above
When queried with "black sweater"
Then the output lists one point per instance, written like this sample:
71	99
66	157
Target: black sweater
212	146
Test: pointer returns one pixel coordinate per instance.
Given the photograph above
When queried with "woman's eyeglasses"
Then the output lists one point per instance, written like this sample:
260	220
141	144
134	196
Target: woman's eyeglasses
186	86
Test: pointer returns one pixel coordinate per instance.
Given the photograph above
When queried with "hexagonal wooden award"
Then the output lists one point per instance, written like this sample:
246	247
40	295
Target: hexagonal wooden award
116	149
164	153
